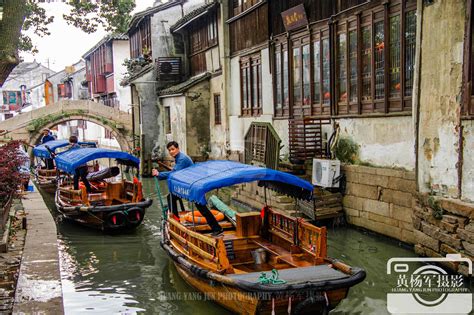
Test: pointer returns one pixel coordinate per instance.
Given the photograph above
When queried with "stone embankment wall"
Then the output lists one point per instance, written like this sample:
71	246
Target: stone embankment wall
380	200
252	195
444	226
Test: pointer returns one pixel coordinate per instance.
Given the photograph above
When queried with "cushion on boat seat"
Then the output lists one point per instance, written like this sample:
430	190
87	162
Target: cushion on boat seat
103	174
297	275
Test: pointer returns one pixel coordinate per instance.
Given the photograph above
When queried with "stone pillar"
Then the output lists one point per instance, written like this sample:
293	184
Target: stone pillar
151	131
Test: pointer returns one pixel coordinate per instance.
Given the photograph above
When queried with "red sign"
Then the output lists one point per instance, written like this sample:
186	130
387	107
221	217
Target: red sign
294	17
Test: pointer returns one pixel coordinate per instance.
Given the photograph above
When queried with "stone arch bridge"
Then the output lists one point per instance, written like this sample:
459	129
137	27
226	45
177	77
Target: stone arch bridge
28	126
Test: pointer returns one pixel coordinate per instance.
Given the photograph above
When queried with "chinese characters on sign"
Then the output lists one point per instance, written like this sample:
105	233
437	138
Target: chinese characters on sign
294	17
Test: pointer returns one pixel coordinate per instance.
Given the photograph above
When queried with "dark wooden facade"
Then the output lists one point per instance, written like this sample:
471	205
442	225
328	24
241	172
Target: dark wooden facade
357	60
248	25
140	39
468	70
201	35
100	74
99	65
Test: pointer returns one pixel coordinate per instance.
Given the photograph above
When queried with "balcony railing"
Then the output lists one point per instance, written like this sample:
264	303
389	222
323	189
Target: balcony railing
306	140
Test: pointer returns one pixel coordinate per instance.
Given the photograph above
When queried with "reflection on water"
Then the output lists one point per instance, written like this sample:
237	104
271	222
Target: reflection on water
129	274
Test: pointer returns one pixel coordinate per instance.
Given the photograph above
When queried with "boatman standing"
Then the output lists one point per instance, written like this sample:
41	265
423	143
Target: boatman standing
183	161
47	136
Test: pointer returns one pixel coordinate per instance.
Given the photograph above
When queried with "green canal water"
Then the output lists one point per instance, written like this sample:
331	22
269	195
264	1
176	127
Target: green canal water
131	274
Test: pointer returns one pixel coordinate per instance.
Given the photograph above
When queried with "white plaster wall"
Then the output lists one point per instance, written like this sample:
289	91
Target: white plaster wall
215	60
385	141
238	126
234	88
93	132
162	43
267	89
281	128
121	51
212	59
177	105
218	133
468	161
63	132
440	90
33	80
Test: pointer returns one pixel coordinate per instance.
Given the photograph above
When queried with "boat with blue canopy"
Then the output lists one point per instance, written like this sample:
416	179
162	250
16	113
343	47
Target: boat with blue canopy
268	261
45	171
112	203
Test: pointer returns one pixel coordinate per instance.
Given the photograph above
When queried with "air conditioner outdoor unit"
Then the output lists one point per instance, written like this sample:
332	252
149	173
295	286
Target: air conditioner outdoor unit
326	173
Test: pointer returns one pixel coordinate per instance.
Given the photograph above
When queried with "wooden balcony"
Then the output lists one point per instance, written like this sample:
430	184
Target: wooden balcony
305	139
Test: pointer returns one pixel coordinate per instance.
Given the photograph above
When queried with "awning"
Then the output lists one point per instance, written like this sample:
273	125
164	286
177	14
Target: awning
195	181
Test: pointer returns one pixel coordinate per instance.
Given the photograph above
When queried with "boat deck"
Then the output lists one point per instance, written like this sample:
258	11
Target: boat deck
297	275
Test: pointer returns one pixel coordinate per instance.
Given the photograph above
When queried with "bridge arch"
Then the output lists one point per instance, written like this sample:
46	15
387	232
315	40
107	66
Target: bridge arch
28	126
36	135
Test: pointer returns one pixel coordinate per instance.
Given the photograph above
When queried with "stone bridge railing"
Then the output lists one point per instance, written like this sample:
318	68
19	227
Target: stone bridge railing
27	126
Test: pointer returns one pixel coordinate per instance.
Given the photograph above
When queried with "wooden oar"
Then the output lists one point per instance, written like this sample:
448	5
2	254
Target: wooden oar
169	168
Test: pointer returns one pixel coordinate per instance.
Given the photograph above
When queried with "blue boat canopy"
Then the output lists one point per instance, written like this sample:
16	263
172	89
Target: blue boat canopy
68	161
192	183
42	152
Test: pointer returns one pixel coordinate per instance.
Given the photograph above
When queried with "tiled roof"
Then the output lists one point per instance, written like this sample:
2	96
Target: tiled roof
184	86
137	75
104	40
193	15
138	17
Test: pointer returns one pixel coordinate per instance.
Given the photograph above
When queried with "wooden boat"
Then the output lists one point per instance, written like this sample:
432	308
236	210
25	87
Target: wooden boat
44	177
112	205
296	277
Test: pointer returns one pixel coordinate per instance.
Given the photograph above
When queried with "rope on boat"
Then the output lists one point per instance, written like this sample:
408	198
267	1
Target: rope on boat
273	279
90	213
164	208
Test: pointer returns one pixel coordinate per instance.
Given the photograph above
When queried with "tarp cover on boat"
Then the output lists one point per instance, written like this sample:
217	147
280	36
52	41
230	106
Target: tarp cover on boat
68	161
194	182
42	152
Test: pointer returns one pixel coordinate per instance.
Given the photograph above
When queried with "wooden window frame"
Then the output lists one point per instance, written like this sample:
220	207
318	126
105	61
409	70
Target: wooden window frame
167	117
281	49
240	6
319	105
141	38
253	85
387	104
212	29
359	22
301	109
217	109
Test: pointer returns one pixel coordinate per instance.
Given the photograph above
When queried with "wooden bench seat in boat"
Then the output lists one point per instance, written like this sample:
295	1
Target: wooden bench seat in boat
206	227
297	275
295	260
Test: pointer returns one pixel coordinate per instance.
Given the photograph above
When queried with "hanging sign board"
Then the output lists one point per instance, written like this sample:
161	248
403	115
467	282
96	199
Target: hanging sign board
294	17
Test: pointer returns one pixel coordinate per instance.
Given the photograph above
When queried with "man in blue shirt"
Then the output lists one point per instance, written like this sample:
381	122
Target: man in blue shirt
47	136
183	161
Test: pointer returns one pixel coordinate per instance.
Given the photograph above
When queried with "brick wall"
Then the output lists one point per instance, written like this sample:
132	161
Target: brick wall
380	200
444	226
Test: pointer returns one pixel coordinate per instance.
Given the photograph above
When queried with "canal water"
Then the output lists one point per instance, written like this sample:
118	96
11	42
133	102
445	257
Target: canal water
130	274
